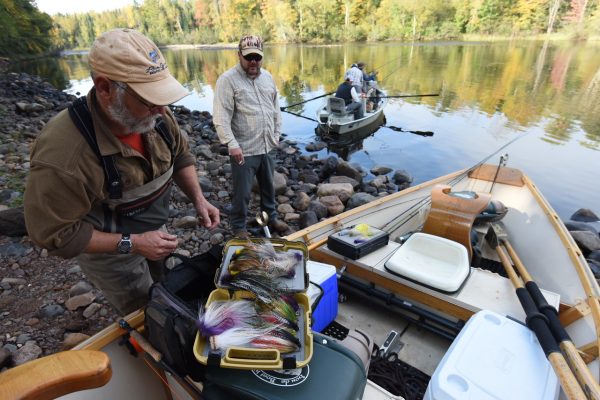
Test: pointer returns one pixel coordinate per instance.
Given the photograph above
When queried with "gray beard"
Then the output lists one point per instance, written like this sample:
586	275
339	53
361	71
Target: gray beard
119	113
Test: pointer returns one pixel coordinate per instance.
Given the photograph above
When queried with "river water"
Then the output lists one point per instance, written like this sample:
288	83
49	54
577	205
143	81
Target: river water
542	98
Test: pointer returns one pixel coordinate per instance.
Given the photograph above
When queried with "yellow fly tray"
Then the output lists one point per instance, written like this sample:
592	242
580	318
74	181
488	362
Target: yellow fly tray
250	358
297	283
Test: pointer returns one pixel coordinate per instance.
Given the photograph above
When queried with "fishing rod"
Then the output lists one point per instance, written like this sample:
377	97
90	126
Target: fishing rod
408	95
414	210
305	101
300	115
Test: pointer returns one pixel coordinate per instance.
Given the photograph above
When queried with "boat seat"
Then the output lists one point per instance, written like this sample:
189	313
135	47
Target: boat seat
337	106
440	255
56	375
452	217
431	260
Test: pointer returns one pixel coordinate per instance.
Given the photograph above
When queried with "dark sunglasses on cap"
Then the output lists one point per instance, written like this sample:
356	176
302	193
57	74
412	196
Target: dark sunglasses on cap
253	57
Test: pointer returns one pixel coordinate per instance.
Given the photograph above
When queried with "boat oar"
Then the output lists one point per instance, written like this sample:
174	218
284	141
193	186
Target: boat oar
305	101
537	322
579	367
398	129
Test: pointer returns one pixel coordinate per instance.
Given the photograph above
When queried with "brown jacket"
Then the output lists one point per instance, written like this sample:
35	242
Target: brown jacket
66	178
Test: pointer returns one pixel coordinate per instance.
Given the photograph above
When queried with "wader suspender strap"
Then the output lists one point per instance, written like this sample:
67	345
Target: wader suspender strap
82	118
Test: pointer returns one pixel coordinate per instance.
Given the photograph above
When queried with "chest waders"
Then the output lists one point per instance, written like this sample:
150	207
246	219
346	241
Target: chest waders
124	278
141	209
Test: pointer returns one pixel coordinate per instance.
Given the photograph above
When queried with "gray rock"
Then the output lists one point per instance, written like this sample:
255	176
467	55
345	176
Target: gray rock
586	240
335	189
5	357
80	287
359	199
91	310
279	183
187	222
81	300
23	338
30	351
217	238
301	202
380	170
344	179
285	208
584	215
318	208
343	168
13	281
402	178
12	222
580	226
308	218
333	204
51	311
13	250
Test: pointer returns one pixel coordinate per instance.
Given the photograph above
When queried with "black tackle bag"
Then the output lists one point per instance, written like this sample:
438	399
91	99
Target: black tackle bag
172	310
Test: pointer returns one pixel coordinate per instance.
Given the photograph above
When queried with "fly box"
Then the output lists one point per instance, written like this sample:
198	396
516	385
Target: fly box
357	241
257	274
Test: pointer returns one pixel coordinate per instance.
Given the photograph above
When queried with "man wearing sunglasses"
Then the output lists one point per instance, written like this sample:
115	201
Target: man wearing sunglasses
101	172
247	118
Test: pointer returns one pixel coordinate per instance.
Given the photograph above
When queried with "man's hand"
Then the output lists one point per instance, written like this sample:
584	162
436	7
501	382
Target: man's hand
208	215
237	155
154	245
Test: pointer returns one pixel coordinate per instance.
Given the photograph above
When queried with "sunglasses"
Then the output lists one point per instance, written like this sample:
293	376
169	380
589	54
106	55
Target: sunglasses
253	57
135	95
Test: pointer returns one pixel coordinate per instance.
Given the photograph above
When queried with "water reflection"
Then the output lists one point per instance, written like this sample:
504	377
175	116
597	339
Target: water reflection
345	144
489	94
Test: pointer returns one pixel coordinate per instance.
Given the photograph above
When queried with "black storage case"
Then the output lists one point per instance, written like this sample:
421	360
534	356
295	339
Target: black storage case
334	372
344	243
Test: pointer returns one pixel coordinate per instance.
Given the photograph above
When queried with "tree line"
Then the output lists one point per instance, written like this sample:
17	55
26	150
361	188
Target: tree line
27	30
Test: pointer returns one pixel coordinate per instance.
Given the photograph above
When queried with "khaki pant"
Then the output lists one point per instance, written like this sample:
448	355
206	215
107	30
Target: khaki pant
123	278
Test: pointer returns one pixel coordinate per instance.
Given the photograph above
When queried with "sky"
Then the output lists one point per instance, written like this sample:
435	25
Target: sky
75	6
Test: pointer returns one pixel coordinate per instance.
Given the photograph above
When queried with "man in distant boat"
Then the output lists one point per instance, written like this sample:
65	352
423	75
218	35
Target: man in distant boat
355	74
102	170
247	118
347	91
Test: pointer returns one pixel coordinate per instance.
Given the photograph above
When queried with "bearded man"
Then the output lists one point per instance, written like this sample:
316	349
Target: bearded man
101	172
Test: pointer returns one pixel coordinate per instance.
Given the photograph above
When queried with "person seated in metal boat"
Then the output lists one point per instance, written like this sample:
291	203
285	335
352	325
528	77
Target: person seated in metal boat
373	96
347	91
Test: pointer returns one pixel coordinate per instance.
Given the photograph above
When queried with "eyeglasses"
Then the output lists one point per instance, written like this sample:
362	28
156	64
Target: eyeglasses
253	57
134	95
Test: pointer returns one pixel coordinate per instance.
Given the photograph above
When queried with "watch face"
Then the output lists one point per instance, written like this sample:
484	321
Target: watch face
125	245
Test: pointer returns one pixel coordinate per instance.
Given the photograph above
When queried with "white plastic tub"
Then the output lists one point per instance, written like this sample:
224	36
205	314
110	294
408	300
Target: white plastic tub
493	357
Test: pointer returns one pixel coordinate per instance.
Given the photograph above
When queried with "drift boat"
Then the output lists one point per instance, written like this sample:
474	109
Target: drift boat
433	229
333	117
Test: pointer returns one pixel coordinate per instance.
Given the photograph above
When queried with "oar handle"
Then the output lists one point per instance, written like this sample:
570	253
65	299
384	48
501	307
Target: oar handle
565	377
579	367
538	323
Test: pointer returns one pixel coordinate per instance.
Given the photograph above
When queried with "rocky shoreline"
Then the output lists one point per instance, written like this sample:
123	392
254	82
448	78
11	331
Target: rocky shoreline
47	305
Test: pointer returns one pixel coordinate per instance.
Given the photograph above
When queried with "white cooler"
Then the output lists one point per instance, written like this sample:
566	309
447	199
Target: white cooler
493	357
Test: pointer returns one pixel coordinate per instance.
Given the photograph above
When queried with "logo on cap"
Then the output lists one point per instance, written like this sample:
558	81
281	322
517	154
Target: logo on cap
251	44
154	56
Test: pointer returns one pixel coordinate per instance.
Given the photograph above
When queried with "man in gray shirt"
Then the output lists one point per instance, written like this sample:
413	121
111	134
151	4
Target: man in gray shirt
247	117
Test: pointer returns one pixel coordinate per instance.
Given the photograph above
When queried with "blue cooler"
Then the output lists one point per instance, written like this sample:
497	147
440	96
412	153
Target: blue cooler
322	293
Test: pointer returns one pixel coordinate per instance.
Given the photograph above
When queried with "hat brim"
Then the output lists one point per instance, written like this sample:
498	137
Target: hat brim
161	93
245	52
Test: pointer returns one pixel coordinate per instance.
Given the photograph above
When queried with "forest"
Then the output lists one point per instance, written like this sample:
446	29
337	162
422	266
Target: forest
26	30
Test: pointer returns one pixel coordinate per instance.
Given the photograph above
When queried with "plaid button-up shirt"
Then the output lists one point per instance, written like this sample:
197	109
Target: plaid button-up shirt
246	111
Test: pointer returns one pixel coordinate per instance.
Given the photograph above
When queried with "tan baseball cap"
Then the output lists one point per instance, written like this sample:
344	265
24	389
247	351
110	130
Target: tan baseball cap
126	55
251	44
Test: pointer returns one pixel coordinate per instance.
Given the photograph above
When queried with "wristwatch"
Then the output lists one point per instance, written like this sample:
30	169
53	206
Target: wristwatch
125	244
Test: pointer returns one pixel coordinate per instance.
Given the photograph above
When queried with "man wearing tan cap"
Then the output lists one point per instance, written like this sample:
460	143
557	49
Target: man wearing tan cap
247	118
102	171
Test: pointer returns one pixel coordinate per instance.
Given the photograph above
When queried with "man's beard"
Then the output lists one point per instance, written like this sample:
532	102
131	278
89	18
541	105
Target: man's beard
119	113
